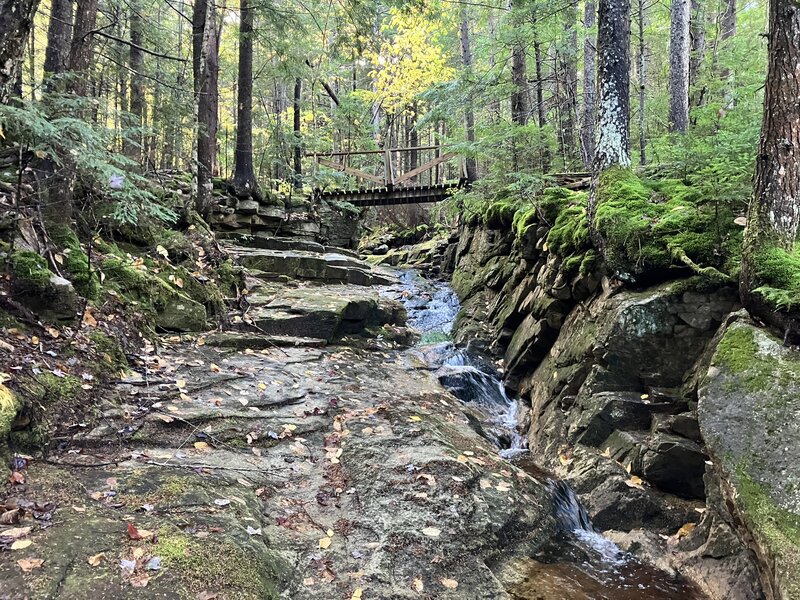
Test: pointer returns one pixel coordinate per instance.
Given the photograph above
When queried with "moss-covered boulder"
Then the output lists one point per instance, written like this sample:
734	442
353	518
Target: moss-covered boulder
9	407
749	409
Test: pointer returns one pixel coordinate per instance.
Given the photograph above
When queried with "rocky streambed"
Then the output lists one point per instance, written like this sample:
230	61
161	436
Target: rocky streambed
332	443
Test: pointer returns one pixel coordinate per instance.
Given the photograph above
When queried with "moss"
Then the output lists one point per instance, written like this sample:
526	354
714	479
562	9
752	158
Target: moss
656	225
776	528
76	263
31	269
109	348
778	273
499	214
59	389
9	407
225	564
738	352
434	337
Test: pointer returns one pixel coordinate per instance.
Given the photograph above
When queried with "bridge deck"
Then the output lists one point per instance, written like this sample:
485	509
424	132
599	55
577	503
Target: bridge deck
386	196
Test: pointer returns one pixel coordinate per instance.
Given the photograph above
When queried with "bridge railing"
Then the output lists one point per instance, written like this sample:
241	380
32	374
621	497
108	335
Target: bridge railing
394	167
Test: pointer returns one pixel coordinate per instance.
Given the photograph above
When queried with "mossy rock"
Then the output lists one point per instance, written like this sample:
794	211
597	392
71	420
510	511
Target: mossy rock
9	407
647	226
749	411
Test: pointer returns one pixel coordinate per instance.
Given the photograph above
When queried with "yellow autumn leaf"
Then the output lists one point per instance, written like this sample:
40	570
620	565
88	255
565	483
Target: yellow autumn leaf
202	447
324	542
21	544
685	530
450	584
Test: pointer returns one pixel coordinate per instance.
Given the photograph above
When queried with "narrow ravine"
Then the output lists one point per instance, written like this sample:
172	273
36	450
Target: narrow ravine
580	563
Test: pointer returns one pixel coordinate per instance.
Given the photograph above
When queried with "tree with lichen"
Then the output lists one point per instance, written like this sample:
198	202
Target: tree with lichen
16	20
770	281
613	79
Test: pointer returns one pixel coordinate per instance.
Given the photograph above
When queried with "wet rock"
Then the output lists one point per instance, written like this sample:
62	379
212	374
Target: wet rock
675	465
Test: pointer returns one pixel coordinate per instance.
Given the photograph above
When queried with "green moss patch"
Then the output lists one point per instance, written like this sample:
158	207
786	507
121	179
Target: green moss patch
76	263
222	565
30	269
778	272
656	225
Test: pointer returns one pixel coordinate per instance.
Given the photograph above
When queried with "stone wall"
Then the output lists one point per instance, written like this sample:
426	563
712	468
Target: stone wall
608	376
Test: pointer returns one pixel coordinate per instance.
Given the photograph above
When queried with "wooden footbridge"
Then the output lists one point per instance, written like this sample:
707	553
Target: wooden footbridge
389	177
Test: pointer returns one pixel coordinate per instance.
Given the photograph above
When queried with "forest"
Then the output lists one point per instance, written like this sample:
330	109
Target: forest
427	299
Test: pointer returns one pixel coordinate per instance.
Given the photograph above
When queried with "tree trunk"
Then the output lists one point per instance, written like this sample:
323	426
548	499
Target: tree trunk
59	36
134	141
540	108
698	34
773	224
244	178
298	140
469	115
206	103
81	49
613	66
589	92
641	60
679	54
16	20
569	100
727	31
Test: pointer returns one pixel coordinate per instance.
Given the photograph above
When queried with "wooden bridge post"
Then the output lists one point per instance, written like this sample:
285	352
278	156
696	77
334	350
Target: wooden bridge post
388	170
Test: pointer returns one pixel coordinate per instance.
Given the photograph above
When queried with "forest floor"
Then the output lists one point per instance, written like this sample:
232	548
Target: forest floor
225	466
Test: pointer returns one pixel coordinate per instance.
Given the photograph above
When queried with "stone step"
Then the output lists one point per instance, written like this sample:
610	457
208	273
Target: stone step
241	340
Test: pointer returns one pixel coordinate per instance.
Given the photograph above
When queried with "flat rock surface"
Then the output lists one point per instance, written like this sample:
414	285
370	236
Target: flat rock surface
237	471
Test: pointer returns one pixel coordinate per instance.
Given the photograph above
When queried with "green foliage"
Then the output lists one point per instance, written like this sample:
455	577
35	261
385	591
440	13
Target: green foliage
778	272
76	263
49	130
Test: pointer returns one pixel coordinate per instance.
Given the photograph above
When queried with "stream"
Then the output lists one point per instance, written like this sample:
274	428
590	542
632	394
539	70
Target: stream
579	564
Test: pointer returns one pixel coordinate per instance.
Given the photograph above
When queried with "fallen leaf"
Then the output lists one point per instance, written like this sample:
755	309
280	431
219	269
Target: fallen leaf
635	482
202	447
29	564
329	533
606	453
685	530
21	544
450	584
140	581
324	542
133	533
16	532
222	502
162	251
214	368
357	594
432	531
96	559
418	585
88	319
415	418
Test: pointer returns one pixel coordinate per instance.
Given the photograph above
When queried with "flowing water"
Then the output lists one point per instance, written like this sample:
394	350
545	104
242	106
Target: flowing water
580	564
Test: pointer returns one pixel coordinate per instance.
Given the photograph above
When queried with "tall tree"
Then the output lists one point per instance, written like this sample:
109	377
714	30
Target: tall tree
613	68
244	178
469	115
81	50
137	99
727	31
59	36
16	20
297	142
771	265
519	83
568	103
697	32
641	61
589	92
679	55
204	24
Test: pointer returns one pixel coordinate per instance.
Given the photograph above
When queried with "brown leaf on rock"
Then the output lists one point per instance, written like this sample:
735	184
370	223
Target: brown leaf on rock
29	564
96	559
133	533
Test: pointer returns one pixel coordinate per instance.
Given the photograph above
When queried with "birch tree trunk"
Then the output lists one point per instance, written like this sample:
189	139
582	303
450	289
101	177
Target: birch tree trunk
679	54
770	256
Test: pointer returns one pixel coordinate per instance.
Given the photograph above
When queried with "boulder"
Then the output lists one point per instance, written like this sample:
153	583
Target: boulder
749	412
181	313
